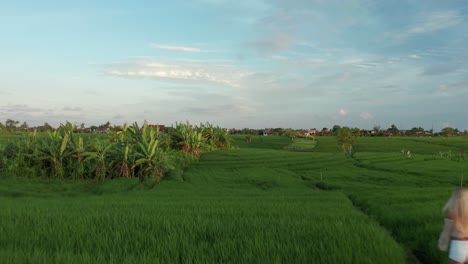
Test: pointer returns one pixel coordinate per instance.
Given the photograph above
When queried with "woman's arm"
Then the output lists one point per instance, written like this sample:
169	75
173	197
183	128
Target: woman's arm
444	238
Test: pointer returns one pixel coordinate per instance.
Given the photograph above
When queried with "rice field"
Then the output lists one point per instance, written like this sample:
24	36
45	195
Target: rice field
260	203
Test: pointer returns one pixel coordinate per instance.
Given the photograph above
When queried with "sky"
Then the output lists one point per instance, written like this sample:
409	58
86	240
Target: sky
236	64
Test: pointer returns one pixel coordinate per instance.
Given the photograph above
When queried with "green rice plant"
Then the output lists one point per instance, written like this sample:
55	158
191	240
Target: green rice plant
213	218
301	144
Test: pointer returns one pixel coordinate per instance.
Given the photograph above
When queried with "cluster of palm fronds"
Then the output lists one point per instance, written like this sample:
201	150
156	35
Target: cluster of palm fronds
133	151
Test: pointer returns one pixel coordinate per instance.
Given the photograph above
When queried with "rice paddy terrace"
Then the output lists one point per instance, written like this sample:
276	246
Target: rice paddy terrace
261	203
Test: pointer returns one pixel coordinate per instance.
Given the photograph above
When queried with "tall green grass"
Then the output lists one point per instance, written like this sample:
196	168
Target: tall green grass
259	216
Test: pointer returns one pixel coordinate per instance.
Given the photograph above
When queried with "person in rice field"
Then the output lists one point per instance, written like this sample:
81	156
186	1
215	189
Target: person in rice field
455	230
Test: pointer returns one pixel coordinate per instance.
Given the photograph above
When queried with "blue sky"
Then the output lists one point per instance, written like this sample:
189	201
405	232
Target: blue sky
299	64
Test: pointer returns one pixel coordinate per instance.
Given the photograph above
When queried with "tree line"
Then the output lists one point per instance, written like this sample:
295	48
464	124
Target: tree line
11	125
393	130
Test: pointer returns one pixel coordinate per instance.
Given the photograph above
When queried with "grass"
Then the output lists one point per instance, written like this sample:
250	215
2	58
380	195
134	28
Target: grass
215	216
259	203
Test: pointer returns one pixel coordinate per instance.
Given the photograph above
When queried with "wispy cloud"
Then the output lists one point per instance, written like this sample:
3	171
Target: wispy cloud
441	68
457	86
180	71
18	108
72	109
178	48
436	21
276	43
430	23
366	116
343	112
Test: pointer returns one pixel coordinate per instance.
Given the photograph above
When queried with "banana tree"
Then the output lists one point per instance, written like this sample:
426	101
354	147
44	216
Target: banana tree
77	147
216	137
100	157
189	139
151	160
122	152
53	151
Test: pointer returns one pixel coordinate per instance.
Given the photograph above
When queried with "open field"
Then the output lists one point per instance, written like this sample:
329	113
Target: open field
259	203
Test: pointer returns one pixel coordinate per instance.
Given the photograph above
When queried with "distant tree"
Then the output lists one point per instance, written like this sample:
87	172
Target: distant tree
105	126
415	131
279	131
45	127
346	140
393	129
2	127
24	126
335	129
11	124
246	131
356	131
291	134
82	126
378	131
447	131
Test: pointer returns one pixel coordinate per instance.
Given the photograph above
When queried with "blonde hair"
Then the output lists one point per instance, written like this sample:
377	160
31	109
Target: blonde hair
457	207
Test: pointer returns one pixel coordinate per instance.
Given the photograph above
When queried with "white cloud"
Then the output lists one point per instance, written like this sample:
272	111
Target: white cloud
414	56
187	71
343	112
366	116
72	109
437	21
177	48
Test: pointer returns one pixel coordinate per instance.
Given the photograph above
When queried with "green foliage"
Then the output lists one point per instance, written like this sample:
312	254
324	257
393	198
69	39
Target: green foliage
144	151
302	144
449	131
346	139
189	139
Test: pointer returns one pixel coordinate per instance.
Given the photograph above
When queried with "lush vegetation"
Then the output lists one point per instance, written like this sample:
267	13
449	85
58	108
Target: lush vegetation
271	200
132	151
